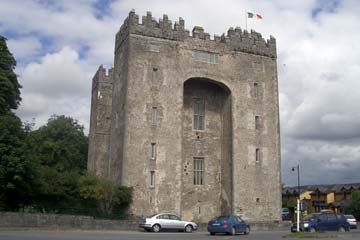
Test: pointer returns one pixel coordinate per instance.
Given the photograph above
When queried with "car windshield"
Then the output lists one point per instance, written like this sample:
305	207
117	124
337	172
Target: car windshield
349	216
152	215
285	210
222	218
310	217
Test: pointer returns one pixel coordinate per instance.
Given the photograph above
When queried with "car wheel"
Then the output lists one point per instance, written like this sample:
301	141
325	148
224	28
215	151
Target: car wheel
156	228
247	231
212	233
233	231
341	229
312	230
188	228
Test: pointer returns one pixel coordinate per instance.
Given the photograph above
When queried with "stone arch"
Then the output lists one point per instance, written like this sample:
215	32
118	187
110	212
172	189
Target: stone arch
212	145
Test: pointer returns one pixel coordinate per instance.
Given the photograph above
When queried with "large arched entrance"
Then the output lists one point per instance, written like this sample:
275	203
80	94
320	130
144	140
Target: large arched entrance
207	149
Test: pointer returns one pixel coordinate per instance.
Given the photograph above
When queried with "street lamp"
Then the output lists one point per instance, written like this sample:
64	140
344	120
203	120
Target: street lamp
297	168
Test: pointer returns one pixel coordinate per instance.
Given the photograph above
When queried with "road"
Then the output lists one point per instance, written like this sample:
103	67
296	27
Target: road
122	235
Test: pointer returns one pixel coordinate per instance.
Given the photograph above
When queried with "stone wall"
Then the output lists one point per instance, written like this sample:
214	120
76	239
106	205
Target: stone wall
12	220
57	221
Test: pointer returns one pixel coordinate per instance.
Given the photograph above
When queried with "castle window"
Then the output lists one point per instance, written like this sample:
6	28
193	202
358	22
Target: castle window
257	155
256	90
257	122
153	151
154	74
198	171
153	116
199	114
212	58
152	178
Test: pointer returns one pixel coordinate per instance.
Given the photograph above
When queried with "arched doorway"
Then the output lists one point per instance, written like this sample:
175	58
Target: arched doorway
207	149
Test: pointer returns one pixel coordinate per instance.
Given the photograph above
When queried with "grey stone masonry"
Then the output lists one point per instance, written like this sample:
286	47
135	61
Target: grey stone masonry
236	39
192	123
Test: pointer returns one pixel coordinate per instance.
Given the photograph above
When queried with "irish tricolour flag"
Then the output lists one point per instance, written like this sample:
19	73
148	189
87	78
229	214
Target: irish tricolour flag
253	15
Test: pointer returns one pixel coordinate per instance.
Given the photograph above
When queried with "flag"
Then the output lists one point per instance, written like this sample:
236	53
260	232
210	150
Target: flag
250	15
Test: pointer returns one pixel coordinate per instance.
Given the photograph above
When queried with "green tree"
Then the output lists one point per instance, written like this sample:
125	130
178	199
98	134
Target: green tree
18	174
9	85
61	144
354	207
109	198
60	148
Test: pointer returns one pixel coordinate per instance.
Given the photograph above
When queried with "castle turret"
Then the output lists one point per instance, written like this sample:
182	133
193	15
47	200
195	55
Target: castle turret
100	122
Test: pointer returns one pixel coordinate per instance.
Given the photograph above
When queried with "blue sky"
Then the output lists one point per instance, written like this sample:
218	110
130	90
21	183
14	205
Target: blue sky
60	44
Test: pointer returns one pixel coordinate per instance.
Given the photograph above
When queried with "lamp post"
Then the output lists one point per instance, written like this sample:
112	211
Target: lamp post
297	168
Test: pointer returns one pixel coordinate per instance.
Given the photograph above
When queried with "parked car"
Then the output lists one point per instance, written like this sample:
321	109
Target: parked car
228	224
166	221
352	221
285	214
323	221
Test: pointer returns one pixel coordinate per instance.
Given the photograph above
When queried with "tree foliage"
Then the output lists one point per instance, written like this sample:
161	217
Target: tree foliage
107	196
18	173
60	149
354	207
9	85
60	144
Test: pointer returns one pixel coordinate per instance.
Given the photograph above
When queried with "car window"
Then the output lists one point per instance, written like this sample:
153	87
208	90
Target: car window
239	219
310	217
173	217
163	216
339	216
234	219
222	218
322	217
331	216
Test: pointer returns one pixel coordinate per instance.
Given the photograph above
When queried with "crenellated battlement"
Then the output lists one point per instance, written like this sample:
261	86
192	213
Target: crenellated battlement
102	75
236	39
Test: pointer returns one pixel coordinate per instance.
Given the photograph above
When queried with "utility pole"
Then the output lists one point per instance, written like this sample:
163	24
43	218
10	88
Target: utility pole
298	200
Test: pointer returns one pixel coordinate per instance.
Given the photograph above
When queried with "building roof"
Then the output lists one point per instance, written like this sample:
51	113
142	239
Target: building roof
324	189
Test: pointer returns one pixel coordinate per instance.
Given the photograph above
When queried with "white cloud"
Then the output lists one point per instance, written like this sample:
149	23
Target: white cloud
60	74
24	47
59	84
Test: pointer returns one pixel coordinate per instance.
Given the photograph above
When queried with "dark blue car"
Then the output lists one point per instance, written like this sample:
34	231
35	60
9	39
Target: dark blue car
228	224
324	221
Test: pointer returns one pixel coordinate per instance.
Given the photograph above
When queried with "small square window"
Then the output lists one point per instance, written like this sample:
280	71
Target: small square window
152	178
257	155
153	151
256	90
257	122
154	75
153	116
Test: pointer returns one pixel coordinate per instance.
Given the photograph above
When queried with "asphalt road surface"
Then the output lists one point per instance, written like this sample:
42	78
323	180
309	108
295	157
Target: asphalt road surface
122	235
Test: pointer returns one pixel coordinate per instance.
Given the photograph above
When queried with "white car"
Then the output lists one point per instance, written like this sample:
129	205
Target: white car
167	221
352	221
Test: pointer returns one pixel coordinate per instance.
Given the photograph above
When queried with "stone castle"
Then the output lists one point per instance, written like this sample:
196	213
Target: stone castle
192	123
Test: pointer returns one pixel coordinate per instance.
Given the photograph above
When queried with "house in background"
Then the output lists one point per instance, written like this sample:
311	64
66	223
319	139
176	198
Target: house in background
318	197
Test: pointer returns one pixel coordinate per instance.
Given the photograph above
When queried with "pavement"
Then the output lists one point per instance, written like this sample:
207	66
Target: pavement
37	234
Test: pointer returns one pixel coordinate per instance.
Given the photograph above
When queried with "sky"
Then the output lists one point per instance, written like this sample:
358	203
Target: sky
59	44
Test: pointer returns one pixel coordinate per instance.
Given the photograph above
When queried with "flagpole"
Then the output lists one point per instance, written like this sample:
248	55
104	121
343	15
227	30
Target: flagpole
245	20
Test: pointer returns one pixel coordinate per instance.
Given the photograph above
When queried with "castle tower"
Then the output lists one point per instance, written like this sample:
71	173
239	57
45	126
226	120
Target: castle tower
100	122
194	121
